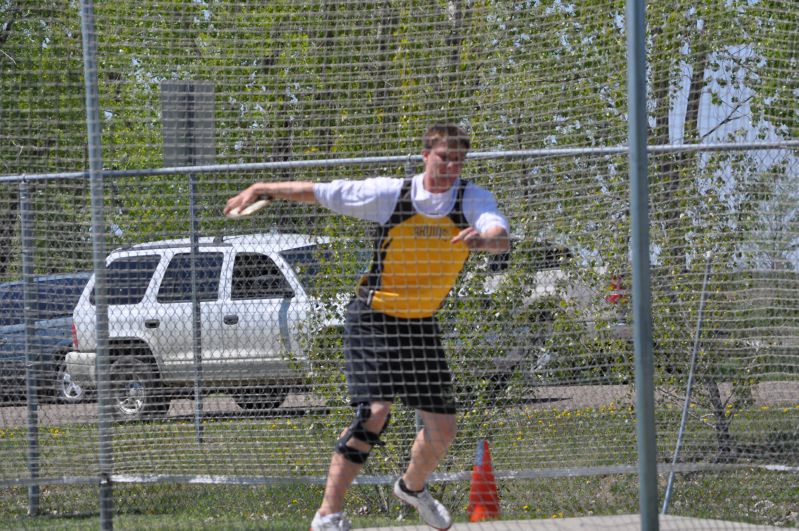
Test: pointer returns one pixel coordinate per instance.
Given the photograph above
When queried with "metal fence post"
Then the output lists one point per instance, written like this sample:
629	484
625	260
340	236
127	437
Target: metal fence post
642	316
410	170
689	385
105	448
32	359
196	313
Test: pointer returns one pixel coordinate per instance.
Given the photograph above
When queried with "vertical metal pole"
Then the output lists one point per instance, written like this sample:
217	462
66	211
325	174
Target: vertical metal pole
196	330
196	310
410	170
105	447
642	297
690	385
33	364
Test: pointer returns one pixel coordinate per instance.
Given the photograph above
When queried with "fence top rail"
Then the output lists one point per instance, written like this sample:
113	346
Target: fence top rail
404	159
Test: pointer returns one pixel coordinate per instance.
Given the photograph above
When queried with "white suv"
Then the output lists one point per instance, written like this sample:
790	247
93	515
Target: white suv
256	295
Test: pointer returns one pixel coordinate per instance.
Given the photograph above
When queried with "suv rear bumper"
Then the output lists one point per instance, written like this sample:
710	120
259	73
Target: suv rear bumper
81	367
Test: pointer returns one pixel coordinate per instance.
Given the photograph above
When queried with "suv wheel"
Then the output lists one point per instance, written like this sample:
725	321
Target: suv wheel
261	398
67	391
136	390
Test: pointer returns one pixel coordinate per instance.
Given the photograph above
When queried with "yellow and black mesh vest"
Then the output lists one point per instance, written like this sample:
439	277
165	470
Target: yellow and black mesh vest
414	265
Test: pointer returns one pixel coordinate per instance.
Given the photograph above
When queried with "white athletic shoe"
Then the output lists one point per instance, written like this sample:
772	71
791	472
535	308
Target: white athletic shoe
430	509
331	522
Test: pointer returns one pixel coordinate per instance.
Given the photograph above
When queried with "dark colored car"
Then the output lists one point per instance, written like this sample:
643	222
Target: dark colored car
53	299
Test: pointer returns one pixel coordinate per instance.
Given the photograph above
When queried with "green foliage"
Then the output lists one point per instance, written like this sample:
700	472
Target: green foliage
305	79
522	75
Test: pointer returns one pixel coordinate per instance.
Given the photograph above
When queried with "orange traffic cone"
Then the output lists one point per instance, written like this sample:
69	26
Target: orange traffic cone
483	496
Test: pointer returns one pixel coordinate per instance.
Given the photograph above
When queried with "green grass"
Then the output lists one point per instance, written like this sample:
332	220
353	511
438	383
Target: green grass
754	496
531	438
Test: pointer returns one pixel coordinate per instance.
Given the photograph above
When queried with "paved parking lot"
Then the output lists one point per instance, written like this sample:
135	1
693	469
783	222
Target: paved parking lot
562	397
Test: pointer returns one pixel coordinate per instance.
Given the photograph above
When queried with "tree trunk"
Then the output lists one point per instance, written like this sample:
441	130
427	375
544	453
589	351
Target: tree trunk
670	167
722	422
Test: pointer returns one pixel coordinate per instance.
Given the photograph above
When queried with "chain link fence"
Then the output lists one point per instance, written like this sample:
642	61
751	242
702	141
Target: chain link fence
224	392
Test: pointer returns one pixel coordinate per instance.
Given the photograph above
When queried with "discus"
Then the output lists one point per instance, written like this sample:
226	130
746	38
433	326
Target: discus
249	210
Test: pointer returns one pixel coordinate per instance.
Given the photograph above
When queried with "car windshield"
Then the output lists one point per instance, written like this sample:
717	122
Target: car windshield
320	268
53	298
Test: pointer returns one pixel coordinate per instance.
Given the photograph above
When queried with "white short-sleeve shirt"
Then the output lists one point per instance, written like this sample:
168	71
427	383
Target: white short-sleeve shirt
375	199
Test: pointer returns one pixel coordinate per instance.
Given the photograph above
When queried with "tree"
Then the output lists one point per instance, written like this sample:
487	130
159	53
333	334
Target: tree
43	127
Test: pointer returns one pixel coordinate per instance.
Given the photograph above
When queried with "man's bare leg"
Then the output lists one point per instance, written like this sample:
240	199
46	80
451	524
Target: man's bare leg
430	446
342	471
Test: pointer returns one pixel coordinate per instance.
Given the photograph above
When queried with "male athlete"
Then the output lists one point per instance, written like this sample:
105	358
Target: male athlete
392	347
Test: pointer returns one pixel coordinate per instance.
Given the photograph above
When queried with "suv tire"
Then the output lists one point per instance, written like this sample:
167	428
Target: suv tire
65	389
261	398
136	390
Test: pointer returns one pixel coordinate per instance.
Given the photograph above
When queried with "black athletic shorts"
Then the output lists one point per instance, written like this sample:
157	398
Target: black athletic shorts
388	357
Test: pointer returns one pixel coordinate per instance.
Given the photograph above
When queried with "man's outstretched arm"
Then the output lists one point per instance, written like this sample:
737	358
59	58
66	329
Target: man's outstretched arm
298	191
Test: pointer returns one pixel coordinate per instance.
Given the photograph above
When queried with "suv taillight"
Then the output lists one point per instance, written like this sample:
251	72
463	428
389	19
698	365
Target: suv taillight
618	293
74	336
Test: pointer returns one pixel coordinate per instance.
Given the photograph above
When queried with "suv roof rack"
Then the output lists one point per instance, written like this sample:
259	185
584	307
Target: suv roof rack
168	244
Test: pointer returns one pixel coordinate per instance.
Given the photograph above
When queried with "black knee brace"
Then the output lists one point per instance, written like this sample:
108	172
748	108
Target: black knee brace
357	430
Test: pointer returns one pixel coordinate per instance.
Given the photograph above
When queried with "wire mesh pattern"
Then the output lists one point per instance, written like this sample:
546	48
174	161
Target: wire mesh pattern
226	369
